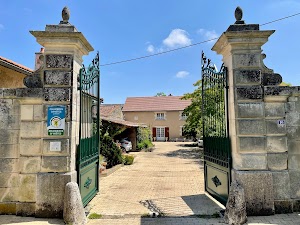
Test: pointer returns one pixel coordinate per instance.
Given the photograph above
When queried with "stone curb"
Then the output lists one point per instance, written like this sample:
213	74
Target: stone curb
107	172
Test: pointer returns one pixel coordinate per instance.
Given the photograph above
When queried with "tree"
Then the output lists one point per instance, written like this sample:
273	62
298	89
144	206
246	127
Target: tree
214	108
160	94
193	126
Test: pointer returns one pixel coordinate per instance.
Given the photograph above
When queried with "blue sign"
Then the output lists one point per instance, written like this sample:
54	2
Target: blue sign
56	120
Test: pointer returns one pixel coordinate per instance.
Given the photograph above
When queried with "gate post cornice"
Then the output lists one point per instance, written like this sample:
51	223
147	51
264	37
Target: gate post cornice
237	40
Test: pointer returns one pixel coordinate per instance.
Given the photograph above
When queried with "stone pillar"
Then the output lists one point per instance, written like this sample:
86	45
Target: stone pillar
255	136
64	47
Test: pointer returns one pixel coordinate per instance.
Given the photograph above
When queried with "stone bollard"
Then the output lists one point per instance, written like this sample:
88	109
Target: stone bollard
235	213
73	208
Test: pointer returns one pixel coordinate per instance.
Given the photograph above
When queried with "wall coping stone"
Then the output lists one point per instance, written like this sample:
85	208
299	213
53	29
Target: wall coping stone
281	90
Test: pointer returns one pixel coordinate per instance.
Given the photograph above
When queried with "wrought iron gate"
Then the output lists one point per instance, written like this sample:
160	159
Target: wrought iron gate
217	154
89	146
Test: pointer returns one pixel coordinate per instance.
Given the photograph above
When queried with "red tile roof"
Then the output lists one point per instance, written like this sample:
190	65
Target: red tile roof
122	122
111	110
8	61
161	103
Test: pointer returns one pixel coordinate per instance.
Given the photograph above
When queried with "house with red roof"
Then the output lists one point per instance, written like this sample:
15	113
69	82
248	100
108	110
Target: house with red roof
162	114
12	73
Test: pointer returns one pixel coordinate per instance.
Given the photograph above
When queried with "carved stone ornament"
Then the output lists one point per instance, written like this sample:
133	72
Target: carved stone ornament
270	79
33	81
239	15
265	68
59	61
65	14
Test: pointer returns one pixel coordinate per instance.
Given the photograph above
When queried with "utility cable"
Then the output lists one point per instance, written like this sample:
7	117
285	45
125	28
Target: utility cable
159	53
187	46
283	18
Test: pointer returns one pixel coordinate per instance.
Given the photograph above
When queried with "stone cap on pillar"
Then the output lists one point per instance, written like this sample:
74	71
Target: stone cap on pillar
240	24
242	36
63	35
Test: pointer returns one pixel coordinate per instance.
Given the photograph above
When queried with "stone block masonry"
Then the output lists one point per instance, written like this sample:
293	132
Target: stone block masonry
34	165
264	123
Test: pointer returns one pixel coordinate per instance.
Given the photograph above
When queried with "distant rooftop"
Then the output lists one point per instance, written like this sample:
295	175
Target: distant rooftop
161	103
111	110
15	66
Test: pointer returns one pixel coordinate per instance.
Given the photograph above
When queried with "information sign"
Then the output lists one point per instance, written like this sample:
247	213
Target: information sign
56	120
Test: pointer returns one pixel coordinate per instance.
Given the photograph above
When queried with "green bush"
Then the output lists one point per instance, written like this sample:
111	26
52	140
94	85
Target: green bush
110	151
128	159
140	146
143	138
144	144
148	144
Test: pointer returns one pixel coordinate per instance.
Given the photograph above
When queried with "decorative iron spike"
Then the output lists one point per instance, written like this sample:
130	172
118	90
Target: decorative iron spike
203	59
65	14
238	13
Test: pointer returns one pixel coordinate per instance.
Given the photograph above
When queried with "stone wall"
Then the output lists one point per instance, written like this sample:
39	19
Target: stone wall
34	165
286	171
26	158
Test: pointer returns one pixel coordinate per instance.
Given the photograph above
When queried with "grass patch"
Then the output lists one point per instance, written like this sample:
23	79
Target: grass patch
94	216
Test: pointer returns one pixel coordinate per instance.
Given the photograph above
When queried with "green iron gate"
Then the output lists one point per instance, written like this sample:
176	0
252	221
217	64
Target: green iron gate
88	149
217	154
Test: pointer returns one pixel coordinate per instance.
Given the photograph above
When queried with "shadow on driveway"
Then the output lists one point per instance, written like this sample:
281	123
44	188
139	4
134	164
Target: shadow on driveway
192	205
190	153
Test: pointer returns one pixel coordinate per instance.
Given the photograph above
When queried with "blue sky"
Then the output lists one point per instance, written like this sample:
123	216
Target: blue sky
124	29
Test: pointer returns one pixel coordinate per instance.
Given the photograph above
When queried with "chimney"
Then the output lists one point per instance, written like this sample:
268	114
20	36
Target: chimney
38	59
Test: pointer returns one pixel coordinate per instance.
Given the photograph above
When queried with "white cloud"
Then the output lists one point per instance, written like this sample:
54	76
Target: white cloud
182	74
208	34
150	49
177	38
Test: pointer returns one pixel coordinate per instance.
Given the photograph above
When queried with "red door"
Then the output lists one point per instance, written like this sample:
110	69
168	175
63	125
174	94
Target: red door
154	132
167	135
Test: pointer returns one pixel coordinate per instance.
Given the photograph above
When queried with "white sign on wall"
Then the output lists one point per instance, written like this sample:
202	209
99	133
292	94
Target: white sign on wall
55	146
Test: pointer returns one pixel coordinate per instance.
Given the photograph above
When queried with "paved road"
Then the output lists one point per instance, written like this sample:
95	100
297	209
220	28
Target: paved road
168	181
